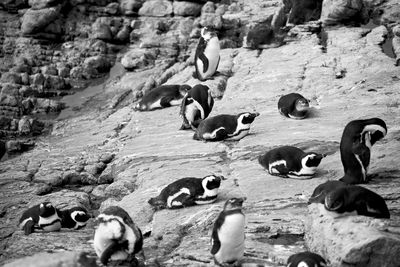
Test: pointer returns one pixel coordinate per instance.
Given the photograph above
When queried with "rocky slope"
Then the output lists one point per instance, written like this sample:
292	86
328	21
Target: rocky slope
101	152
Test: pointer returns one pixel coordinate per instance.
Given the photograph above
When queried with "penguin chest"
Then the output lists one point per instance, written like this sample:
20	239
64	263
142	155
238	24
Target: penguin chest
231	237
211	52
241	131
192	110
50	224
105	234
304	173
208	197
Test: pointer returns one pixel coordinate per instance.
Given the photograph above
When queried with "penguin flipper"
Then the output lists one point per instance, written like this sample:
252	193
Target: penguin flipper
166	101
109	251
204	59
220	134
29	227
282	170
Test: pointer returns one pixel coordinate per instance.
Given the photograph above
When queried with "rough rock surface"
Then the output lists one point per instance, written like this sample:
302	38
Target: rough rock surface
100	152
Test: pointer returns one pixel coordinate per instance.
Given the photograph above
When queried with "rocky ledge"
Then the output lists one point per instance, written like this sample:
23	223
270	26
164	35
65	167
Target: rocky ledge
101	152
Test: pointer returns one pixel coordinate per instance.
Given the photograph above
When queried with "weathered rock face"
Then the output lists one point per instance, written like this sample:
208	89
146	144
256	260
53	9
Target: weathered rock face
101	152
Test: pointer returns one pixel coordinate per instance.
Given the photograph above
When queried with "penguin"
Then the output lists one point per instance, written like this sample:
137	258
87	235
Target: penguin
355	147
43	216
353	198
162	96
306	259
75	218
225	127
116	236
188	192
320	192
206	59
228	234
196	106
291	162
293	106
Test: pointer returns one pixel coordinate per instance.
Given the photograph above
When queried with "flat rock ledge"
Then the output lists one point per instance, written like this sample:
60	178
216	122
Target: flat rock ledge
352	240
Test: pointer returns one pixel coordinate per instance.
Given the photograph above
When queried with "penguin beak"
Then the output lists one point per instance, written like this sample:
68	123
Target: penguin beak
256	114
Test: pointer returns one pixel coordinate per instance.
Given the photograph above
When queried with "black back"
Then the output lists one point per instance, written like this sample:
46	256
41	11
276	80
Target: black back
287	103
310	258
193	184
292	155
224	120
198	93
318	196
32	212
201	46
68	222
360	199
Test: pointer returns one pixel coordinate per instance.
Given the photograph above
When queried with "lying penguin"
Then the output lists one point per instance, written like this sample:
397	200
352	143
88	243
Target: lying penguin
320	192
291	162
225	127
207	55
117	237
294	106
188	192
355	147
306	259
228	234
42	216
196	106
162	96
353	198
75	218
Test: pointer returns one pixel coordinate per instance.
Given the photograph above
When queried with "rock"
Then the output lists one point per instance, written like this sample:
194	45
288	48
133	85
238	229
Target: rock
396	48
396	30
49	70
11	77
102	31
46	259
14	4
107	157
183	8
138	58
40	4
37	79
117	189
130	7
259	35
377	36
304	11
123	35
95	66
54	82
34	21
24	125
49	177
351	240
65	199
209	17
156	8
343	11
108	175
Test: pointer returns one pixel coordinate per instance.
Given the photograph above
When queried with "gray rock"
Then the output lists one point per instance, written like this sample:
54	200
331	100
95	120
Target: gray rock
184	8
341	11
54	82
156	8
123	35
11	77
102	31
112	8
95	66
24	125
351	240
40	4
34	21
130	7
138	58
46	259
37	79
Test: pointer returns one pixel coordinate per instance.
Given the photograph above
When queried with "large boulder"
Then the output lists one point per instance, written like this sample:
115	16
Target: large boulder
183	8
35	21
343	11
138	58
156	8
102	31
95	66
304	11
130	7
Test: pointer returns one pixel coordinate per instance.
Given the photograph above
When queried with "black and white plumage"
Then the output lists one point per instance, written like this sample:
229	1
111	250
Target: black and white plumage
293	106
75	218
355	147
42	216
117	237
353	198
225	127
188	192
228	234
291	162
162	96
320	192
306	259
207	54
196	106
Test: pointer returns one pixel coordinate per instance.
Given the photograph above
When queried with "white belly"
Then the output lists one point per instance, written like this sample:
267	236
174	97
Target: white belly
190	112
272	169
231	236
238	136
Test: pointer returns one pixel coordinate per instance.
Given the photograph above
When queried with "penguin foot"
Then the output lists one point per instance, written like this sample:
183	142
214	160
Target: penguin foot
185	127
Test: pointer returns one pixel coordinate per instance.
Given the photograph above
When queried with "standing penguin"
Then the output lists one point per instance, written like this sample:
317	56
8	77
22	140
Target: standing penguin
196	106
225	127
293	106
117	237
44	216
290	161
228	234
162	96
306	259
207	57
355	147
188	192
75	218
357	199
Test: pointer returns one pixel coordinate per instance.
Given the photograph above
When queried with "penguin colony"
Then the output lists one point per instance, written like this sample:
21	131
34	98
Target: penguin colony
118	238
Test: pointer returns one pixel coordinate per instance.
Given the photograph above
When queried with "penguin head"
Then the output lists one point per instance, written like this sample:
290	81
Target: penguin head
306	259
184	88
211	182
234	203
320	192
46	209
80	216
302	104
207	33
335	199
312	159
247	117
140	106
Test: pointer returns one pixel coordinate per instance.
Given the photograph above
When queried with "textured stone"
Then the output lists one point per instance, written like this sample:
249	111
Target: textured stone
102	31
11	77
183	8
34	21
156	8
352	240
40	4
343	11
130	7
138	58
